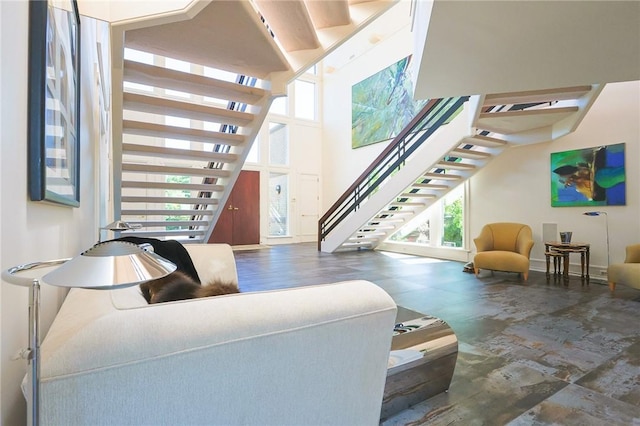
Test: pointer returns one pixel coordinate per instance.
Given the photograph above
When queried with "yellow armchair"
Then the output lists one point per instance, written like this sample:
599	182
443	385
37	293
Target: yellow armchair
627	273
503	247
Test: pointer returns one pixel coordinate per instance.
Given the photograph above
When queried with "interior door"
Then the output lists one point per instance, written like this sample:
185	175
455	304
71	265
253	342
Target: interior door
239	222
308	205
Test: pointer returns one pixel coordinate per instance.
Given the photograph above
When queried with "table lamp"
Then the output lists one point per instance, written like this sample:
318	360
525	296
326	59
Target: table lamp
606	222
120	225
109	265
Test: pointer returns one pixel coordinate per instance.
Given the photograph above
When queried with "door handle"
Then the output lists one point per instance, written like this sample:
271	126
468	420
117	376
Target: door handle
230	207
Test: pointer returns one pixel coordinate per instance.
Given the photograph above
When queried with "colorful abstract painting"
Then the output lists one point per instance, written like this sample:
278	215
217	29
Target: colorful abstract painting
589	177
382	105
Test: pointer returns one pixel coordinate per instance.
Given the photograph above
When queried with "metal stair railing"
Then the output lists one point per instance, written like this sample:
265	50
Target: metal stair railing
434	114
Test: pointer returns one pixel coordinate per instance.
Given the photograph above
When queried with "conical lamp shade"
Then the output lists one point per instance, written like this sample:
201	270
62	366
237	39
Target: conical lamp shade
110	265
120	225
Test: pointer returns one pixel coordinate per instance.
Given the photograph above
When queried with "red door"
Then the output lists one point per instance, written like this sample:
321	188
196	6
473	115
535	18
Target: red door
239	222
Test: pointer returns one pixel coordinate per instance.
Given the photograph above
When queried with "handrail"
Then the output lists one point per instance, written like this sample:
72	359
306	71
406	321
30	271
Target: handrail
435	113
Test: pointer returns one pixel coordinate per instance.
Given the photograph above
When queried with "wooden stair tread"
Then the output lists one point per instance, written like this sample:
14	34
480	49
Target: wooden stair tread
162	106
169	170
534	96
155	130
155	76
168	200
145	212
177	153
172	185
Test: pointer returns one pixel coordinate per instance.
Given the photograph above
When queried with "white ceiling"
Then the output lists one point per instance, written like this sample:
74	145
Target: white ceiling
478	47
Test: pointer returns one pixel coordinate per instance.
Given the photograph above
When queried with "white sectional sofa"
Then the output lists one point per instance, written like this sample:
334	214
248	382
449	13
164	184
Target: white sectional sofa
309	355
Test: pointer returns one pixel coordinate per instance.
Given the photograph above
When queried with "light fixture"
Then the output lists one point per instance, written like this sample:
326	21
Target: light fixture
606	222
120	225
108	265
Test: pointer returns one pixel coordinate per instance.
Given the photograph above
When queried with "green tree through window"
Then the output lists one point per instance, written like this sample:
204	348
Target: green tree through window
453	223
176	193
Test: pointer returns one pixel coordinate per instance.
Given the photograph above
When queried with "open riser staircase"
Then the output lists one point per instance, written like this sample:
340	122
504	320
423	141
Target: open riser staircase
196	88
185	138
440	149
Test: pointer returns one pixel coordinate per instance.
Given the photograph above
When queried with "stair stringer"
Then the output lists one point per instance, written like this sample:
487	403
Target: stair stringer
445	139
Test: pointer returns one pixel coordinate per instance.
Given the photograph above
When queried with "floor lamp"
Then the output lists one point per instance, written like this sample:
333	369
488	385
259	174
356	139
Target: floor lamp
107	266
606	222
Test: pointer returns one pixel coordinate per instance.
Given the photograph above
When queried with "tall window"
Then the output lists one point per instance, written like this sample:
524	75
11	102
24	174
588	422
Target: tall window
305	100
453	219
441	225
254	153
279	106
278	144
278	204
177	65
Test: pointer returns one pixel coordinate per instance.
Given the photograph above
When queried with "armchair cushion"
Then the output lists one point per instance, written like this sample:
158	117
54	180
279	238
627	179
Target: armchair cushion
503	246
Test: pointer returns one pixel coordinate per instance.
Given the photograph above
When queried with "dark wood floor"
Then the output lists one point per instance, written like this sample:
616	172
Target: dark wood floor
534	352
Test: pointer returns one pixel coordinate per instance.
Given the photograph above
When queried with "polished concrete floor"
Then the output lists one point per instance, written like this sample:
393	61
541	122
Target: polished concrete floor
530	353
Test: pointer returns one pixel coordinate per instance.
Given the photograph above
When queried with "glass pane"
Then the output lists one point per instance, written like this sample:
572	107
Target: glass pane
172	206
453	219
305	100
138	56
279	106
177	122
177	65
278	144
420	234
278	204
219	74
441	225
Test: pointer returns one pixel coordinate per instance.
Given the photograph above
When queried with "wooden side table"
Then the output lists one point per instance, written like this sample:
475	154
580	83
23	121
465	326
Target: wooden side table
562	250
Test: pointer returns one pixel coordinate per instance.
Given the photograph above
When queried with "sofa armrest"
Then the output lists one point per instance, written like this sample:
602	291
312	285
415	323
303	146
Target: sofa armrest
314	354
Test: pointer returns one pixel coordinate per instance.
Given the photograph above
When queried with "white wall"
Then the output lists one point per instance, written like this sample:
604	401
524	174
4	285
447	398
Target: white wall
341	164
33	231
516	185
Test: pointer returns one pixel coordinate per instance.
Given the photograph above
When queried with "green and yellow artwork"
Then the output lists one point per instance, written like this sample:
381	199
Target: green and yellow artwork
382	104
589	177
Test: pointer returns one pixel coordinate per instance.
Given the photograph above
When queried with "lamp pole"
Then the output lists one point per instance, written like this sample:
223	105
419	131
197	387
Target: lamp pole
606	224
107	266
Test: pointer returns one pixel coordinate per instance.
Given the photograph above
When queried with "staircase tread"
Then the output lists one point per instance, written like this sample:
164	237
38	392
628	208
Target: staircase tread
182	109
142	128
166	78
177	153
150	223
172	200
171	170
161	212
172	185
533	96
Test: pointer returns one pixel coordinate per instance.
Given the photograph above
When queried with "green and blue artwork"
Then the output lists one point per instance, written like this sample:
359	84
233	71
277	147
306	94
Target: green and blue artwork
589	177
382	104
